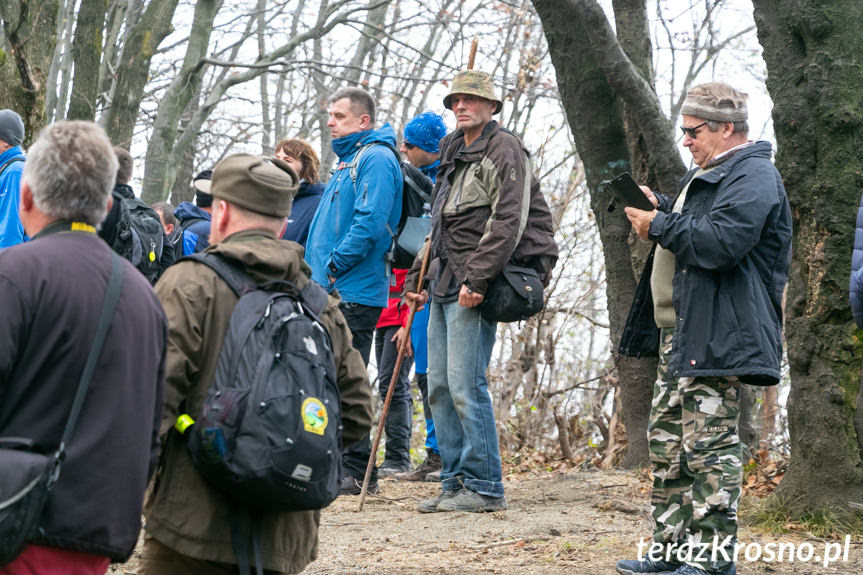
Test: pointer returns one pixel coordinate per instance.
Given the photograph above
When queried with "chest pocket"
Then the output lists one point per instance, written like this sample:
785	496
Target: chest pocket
471	187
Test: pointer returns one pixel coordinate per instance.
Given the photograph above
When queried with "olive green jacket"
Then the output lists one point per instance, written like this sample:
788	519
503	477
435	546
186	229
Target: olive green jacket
182	511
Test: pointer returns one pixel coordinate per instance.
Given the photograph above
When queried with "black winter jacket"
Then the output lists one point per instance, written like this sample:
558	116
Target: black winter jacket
51	295
732	242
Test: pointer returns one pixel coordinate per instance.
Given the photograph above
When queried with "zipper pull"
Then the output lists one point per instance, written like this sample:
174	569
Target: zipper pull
265	316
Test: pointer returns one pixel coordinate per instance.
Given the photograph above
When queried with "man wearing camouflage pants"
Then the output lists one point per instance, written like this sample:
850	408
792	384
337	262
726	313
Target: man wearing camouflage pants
710	300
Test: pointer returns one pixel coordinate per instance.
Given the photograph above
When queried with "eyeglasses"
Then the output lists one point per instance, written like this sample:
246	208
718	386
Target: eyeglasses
408	145
693	131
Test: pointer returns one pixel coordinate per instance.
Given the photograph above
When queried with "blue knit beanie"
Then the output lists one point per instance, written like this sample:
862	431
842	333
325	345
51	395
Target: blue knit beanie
426	131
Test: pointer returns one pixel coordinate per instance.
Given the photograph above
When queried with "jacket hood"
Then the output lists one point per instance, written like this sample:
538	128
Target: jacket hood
189	211
307	189
346	146
269	258
124	191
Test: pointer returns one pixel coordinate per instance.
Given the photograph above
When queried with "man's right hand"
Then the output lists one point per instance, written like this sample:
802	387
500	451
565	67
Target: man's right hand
416	300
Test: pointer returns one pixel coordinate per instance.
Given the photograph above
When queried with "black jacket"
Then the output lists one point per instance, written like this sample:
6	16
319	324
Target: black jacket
51	295
732	243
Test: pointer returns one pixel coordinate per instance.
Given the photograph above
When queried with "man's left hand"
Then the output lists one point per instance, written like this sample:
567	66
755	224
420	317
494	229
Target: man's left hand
640	220
468	298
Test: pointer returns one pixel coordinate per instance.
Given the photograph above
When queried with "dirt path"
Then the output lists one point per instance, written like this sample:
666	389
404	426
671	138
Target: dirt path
580	522
570	523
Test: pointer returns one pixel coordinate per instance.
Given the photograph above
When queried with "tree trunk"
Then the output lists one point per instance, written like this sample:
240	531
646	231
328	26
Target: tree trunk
29	36
813	52
163	160
86	55
128	88
587	58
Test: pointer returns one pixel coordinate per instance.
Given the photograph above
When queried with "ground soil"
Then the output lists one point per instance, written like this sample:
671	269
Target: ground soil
557	523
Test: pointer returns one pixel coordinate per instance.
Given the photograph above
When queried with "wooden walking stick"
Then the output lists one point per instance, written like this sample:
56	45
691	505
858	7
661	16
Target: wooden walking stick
472	55
386	407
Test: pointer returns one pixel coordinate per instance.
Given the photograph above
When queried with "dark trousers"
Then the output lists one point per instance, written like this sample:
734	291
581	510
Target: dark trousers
361	320
399	417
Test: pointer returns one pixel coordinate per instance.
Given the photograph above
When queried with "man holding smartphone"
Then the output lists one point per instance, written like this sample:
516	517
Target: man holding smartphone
715	279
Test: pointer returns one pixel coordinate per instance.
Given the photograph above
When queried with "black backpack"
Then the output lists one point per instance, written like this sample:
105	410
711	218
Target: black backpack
140	237
269	435
416	191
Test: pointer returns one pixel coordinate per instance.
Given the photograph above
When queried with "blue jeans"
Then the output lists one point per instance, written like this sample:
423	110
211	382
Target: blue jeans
460	344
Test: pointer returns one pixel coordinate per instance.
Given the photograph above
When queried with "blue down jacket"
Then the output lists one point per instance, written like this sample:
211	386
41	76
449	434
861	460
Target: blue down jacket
732	243
348	239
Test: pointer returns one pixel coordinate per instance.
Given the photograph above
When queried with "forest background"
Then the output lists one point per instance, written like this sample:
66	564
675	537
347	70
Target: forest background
594	89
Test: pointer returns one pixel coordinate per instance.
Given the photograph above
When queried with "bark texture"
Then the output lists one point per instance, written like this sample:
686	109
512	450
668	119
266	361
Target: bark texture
26	51
814	54
585	63
134	70
86	55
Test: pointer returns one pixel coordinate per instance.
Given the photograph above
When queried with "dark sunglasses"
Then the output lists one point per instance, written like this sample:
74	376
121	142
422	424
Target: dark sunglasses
409	146
693	131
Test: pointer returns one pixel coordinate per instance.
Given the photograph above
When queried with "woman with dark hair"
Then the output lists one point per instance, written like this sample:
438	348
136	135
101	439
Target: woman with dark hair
301	157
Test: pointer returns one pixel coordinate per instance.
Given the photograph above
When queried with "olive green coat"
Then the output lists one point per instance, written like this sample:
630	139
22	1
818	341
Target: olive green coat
182	511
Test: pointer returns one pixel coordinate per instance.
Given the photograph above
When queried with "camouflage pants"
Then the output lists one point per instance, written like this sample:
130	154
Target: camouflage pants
696	457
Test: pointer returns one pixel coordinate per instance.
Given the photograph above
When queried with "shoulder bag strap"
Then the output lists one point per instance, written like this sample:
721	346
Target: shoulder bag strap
112	295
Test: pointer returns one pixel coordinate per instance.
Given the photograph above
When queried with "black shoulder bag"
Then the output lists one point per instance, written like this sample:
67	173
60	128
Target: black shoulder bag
27	477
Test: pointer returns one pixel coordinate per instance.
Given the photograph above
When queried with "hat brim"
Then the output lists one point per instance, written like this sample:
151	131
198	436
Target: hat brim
202	185
447	101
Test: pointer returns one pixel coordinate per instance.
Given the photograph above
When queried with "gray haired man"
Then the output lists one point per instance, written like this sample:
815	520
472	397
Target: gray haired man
715	279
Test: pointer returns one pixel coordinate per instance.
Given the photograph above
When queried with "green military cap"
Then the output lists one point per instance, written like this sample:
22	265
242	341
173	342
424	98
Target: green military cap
473	82
264	185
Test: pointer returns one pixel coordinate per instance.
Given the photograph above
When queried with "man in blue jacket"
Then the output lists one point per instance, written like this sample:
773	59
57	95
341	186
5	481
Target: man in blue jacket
349	237
710	304
11	166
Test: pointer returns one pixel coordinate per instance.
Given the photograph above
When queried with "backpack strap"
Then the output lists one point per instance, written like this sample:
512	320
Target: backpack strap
233	275
313	296
355	163
416	187
9	162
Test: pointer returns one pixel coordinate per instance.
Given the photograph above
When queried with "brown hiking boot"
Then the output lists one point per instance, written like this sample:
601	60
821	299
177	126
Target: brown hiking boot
430	465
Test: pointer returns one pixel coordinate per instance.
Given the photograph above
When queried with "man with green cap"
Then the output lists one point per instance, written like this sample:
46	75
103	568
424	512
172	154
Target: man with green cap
488	211
188	530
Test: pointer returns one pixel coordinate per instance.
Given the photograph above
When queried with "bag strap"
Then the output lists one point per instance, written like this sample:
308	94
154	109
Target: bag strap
313	296
239	541
416	187
9	162
237	279
112	296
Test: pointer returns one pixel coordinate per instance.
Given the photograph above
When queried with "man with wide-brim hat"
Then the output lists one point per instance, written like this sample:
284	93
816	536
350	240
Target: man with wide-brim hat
187	520
496	215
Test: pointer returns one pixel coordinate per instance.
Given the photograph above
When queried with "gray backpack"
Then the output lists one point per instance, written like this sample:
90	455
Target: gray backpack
269	435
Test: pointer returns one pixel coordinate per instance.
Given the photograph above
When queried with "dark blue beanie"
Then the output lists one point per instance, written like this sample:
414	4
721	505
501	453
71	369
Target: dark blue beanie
425	131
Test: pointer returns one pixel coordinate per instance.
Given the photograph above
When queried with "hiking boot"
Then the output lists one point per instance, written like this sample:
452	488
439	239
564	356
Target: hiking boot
690	570
467	500
433	477
431	464
386	471
431	505
352	486
645	565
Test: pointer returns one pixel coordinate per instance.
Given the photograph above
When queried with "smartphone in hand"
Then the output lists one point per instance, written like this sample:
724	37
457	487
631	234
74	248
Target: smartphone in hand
624	188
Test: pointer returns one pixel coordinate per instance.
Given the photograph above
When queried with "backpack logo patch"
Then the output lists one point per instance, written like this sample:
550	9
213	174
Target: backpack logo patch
315	417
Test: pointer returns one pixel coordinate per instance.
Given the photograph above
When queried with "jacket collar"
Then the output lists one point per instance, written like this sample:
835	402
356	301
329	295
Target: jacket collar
346	146
760	148
11	153
478	147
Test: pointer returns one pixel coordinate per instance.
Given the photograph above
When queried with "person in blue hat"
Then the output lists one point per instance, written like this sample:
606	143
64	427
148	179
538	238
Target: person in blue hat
420	145
11	167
